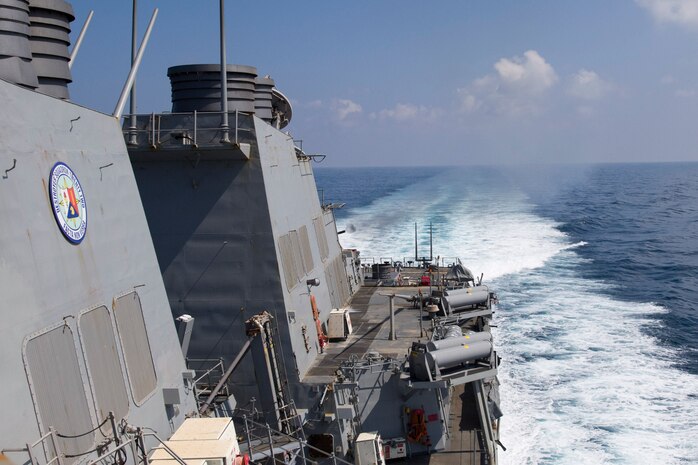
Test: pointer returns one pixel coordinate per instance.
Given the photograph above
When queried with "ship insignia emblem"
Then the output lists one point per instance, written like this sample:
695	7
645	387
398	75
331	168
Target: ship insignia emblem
68	202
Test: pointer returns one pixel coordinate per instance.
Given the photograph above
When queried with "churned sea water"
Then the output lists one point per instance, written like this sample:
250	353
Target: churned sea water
596	268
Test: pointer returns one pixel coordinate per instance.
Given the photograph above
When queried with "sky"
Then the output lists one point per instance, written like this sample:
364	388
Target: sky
450	82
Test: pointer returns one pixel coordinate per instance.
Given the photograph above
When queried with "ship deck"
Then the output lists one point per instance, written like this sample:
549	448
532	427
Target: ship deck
370	317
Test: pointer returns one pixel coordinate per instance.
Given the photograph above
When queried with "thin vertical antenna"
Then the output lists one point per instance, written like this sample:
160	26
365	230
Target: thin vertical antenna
78	42
118	110
416	254
132	129
224	78
431	251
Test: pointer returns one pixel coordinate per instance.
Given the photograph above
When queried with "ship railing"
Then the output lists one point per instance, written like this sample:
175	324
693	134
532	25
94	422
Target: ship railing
127	445
370	363
185	130
212	374
328	204
409	262
264	442
120	454
291	421
207	375
52	454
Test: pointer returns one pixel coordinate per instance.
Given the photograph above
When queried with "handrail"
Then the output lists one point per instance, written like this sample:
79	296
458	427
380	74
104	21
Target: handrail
288	436
132	442
30	446
182	128
188	113
217	366
167	448
112	452
224	379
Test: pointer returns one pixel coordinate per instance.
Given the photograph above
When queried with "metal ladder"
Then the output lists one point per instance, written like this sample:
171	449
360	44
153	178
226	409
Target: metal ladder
266	445
287	407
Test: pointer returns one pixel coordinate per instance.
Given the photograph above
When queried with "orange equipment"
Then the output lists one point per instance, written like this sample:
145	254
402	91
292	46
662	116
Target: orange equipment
321	337
418	428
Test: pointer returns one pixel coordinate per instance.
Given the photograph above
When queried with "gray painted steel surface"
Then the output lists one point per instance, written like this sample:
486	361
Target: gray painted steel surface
137	349
457	341
321	237
460	300
449	357
103	366
49	40
262	97
453	331
231	243
228	222
47	282
306	253
198	88
15	54
381	398
57	388
215	251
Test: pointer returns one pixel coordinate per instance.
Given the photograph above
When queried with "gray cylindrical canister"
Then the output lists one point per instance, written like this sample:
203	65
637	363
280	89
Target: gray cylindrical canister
466	339
453	356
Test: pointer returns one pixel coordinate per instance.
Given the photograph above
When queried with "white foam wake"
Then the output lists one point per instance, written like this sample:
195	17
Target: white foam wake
491	229
582	381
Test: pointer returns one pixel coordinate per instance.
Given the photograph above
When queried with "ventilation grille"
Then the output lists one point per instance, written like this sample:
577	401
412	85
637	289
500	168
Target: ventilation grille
136	347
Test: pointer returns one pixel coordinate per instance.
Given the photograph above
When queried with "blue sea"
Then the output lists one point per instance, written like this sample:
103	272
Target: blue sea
596	268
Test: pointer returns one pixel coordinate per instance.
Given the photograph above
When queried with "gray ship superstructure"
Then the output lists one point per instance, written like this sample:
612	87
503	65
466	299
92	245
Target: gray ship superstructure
238	229
86	326
238	226
209	215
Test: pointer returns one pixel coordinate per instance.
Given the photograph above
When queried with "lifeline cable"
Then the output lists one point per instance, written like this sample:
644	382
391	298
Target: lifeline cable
66	436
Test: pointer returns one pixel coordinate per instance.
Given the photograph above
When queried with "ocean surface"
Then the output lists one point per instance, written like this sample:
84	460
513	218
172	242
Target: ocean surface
596	268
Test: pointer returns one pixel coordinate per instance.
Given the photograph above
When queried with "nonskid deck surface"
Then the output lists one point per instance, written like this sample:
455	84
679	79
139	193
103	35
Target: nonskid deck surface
370	318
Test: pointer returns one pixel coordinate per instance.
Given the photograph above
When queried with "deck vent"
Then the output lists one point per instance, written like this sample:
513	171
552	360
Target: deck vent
262	97
49	38
15	53
198	88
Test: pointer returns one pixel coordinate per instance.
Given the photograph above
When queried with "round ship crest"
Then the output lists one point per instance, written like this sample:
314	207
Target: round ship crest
68	202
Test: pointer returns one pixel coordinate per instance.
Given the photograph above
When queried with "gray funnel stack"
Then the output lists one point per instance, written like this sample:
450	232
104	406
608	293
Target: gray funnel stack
263	97
15	52
49	40
198	88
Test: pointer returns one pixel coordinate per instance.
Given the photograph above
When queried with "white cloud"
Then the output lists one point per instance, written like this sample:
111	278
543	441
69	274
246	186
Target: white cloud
469	103
515	88
684	12
685	93
345	108
314	104
585	111
587	85
667	80
530	73
407	112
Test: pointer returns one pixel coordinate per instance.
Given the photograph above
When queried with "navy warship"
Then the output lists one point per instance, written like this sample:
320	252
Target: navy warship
226	324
